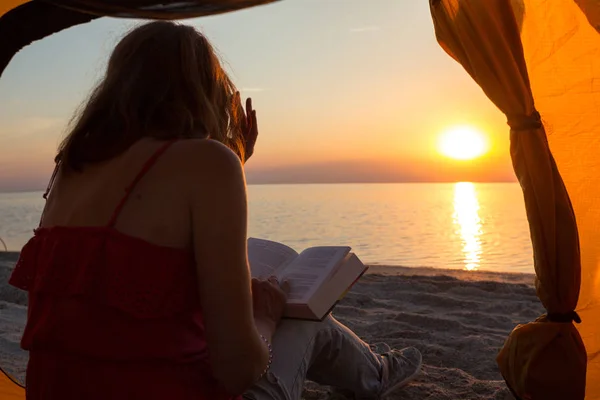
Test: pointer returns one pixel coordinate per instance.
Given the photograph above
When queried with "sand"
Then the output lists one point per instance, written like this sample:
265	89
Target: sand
458	319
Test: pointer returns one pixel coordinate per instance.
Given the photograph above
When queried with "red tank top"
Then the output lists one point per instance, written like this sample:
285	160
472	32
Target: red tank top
112	316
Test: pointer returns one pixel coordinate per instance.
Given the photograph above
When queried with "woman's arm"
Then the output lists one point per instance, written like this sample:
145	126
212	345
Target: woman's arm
219	224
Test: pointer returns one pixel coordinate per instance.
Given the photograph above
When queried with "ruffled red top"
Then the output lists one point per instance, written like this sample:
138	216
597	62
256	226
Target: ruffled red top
112	316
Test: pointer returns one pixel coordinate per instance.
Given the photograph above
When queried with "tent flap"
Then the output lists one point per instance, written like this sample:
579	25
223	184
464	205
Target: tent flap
156	9
561	42
34	20
30	22
542	359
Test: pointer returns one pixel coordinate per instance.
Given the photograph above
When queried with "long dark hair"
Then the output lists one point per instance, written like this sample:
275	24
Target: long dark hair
163	81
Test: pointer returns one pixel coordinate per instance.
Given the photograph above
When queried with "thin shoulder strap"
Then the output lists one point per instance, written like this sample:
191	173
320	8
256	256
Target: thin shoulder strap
145	168
48	189
51	182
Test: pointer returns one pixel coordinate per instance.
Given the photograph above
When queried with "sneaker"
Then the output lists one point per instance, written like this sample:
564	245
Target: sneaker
380	348
400	367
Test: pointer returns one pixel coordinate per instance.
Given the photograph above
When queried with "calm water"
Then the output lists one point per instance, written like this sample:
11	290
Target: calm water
463	225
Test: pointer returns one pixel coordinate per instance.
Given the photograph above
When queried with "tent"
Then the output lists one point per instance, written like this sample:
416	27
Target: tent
10	389
538	61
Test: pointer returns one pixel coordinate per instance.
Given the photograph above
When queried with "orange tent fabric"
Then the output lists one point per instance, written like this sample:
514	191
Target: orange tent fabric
545	359
9	388
561	41
7	5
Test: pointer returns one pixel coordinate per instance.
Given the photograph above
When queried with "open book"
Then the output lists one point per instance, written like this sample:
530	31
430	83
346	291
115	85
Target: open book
319	276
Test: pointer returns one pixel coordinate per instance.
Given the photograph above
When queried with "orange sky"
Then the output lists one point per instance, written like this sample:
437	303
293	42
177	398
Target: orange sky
353	93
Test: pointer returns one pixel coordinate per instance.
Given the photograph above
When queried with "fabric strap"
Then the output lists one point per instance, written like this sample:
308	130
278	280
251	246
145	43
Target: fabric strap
145	168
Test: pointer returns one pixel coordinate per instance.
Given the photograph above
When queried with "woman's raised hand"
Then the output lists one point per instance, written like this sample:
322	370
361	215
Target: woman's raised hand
249	126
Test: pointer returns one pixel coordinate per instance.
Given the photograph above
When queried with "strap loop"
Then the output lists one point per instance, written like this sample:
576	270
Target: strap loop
525	122
567	318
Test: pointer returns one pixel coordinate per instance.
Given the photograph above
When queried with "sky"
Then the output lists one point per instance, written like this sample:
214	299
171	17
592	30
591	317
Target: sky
345	91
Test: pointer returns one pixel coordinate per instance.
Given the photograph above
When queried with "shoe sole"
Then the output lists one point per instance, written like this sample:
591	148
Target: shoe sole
404	382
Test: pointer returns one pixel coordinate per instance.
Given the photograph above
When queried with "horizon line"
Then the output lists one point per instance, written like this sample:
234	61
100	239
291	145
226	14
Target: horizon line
41	189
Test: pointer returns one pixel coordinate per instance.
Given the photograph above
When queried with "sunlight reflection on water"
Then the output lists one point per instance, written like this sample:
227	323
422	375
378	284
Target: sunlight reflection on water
466	218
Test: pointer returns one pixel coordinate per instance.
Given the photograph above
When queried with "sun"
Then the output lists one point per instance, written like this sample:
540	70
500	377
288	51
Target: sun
463	143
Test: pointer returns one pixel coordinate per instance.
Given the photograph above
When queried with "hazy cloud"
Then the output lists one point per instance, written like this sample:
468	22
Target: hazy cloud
22	127
365	29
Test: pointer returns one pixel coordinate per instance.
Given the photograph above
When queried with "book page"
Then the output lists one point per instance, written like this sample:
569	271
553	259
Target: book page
266	257
312	267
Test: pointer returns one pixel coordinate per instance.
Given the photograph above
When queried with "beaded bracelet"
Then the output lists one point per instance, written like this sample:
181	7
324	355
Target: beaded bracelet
270	355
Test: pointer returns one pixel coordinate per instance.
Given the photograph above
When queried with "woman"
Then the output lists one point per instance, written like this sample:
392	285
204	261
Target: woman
138	278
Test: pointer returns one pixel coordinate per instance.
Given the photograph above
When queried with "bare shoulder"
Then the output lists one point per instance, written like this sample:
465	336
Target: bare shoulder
204	151
205	159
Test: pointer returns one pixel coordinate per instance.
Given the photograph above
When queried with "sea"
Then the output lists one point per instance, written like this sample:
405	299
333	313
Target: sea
471	226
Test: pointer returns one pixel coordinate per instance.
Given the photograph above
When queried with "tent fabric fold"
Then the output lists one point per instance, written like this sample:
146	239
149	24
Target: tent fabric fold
35	19
542	359
156	9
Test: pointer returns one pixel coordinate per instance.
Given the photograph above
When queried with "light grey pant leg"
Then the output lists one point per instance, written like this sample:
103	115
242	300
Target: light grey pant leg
325	352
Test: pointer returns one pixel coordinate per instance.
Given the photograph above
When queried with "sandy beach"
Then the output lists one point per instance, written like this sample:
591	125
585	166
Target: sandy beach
458	319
